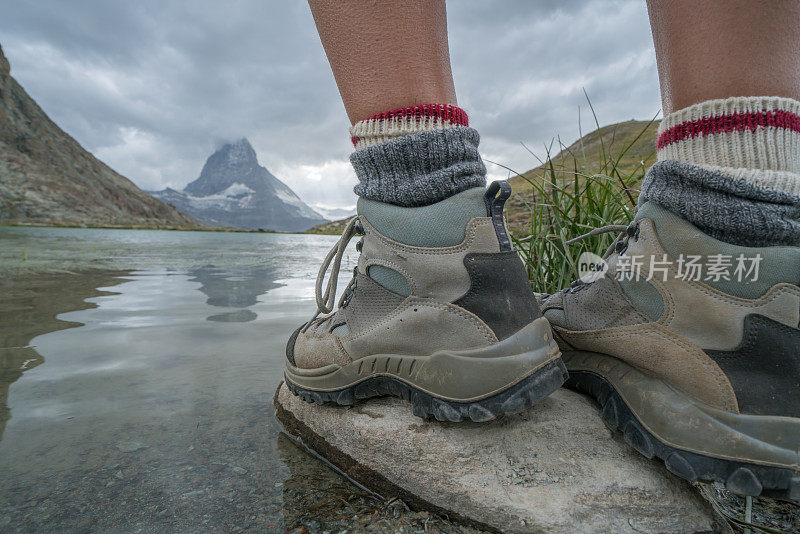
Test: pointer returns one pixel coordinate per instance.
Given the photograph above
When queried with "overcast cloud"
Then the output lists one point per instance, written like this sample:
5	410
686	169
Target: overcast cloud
153	87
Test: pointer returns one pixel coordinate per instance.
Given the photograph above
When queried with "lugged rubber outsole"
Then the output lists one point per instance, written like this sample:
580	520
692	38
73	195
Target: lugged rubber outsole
738	477
514	399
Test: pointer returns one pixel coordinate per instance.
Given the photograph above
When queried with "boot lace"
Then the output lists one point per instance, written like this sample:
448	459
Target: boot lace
333	261
620	245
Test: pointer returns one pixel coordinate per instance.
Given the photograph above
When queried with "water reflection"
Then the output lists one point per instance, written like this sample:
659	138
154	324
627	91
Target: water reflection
235	288
148	415
29	306
156	413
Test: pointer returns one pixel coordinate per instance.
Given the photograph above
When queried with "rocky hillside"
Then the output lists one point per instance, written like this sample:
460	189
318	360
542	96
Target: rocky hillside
233	190
47	178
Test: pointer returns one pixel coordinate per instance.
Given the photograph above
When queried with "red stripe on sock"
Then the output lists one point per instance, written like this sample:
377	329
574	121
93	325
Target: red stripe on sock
355	140
446	112
735	122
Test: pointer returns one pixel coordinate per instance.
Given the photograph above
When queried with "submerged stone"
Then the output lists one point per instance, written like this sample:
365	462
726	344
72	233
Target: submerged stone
553	468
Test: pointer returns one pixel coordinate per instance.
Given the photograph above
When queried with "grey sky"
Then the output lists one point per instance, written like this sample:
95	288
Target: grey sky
152	87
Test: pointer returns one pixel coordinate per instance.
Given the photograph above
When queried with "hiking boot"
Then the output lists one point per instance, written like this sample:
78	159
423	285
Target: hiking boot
439	312
698	368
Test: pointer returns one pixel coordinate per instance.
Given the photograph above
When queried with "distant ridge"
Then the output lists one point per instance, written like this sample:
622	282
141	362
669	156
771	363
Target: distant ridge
46	177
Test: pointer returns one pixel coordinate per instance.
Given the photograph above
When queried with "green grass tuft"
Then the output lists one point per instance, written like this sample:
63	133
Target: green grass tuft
571	194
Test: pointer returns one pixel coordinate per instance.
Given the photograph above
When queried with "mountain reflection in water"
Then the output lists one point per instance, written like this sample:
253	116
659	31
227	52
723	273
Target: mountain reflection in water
235	288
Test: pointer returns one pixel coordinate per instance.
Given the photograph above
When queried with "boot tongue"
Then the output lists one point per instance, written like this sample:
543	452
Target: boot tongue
442	224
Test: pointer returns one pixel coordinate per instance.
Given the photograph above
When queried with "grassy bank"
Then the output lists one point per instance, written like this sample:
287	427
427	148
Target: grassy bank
328	228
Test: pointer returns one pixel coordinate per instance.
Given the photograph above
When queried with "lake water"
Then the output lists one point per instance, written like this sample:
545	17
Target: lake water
137	372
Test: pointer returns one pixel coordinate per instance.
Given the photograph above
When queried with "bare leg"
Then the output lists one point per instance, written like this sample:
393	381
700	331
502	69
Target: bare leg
709	49
385	54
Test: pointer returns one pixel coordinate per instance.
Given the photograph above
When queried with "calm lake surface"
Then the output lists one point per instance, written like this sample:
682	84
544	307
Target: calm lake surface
137	372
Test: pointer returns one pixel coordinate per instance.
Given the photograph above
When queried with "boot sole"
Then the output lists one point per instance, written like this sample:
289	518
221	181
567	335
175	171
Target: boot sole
475	384
704	444
512	400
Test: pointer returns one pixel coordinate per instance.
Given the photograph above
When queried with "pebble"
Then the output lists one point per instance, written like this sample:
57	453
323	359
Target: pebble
130	446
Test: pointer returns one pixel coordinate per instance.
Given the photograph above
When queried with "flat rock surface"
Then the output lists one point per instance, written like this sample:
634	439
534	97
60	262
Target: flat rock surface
553	468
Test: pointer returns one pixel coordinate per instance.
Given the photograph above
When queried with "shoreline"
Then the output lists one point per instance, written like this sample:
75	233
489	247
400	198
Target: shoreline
199	228
164	228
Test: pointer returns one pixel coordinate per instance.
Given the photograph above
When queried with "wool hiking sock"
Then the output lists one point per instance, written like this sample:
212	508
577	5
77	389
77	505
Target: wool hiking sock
731	167
416	156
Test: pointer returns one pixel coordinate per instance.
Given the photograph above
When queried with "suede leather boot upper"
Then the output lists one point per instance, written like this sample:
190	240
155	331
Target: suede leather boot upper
445	318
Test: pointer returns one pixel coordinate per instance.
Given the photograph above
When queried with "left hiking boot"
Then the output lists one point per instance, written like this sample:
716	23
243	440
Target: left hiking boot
696	359
439	312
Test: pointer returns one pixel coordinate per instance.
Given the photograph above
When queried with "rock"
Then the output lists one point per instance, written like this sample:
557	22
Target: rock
553	468
239	470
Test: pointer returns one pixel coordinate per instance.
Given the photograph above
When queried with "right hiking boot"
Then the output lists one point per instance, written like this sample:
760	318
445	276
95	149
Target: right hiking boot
439	312
692	347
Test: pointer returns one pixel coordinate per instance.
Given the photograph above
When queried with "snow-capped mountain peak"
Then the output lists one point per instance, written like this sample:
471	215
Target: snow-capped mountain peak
234	190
